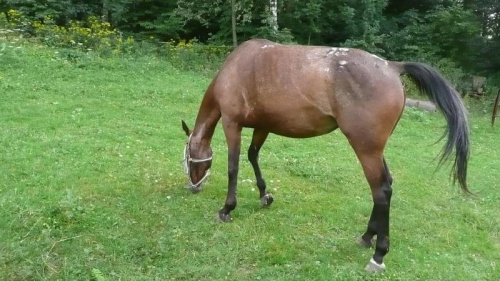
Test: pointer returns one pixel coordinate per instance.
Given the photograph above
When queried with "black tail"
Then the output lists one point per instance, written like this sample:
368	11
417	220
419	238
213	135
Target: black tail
448	101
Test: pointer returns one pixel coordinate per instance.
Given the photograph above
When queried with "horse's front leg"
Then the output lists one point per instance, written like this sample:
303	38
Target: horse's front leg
258	139
233	138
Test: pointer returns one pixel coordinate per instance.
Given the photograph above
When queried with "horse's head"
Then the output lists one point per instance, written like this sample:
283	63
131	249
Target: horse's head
197	162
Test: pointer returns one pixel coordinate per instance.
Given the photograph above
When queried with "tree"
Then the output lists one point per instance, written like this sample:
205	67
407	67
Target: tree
233	24
303	18
273	20
146	18
362	22
488	12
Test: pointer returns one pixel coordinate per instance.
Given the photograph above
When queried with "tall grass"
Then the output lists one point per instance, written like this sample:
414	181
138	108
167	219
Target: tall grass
92	188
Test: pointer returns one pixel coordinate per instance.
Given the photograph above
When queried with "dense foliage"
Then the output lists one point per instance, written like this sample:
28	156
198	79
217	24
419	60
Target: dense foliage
459	36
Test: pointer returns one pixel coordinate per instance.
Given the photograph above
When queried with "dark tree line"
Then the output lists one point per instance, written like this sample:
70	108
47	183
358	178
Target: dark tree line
465	32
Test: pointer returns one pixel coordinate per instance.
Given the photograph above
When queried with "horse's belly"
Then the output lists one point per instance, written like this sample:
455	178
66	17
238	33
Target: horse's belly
296	124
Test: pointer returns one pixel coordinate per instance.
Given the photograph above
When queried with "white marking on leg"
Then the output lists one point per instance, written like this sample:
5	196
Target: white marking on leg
380	266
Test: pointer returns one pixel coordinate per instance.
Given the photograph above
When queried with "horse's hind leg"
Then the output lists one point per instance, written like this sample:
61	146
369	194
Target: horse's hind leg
380	186
369	147
366	239
258	139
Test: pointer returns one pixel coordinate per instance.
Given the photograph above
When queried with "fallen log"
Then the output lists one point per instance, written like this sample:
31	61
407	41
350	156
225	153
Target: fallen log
422	104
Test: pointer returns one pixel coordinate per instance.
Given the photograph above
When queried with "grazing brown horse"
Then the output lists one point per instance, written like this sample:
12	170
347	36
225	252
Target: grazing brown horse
304	91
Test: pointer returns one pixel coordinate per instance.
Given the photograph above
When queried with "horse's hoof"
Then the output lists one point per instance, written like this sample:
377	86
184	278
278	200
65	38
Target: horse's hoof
374	267
221	217
365	244
266	200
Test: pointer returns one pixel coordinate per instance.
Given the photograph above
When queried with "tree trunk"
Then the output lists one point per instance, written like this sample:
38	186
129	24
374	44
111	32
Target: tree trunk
233	23
495	109
105	12
273	4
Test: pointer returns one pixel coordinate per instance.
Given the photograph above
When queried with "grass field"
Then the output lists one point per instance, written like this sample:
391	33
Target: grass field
92	187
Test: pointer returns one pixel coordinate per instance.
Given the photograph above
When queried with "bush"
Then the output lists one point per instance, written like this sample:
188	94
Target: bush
454	74
493	84
191	55
81	37
91	34
14	20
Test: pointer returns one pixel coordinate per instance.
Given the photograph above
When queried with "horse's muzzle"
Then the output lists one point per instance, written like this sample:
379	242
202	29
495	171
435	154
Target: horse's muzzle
194	188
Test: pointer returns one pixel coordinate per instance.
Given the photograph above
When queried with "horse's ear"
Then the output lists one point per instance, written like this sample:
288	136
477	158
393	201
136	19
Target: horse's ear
185	128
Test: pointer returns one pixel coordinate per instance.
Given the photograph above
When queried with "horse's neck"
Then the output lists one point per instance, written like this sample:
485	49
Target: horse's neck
202	136
207	119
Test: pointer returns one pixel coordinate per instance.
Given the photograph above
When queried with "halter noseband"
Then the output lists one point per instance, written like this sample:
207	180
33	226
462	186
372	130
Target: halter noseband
194	187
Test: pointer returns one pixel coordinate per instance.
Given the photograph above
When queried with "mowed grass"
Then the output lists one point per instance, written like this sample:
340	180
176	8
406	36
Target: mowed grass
92	187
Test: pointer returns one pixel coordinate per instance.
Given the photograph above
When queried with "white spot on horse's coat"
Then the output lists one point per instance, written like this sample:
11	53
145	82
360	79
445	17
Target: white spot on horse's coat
267	46
327	69
344	49
344	53
342	62
375	56
332	51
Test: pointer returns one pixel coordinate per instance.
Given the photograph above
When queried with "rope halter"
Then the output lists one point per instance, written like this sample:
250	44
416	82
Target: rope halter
194	187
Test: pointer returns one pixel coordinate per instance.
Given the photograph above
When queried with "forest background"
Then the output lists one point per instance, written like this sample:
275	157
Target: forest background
92	186
460	37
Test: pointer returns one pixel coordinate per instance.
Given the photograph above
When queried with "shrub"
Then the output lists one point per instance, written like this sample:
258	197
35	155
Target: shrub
493	84
13	19
95	35
191	55
91	34
86	35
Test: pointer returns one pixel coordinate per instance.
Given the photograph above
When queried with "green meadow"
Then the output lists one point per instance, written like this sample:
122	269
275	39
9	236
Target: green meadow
92	186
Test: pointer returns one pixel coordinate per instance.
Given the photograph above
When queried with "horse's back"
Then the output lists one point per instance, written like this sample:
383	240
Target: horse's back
302	90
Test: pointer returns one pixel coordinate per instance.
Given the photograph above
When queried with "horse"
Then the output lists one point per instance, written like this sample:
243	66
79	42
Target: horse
306	91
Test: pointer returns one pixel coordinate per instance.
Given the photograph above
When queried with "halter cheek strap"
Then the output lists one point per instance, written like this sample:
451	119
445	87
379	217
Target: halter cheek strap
195	187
